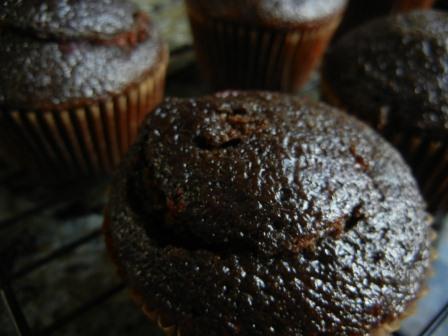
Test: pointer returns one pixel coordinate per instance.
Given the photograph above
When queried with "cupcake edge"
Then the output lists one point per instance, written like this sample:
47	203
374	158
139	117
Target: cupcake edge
426	155
266	57
169	329
84	139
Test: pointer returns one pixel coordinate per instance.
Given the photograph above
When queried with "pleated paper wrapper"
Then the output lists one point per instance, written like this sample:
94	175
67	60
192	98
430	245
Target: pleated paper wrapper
234	55
85	140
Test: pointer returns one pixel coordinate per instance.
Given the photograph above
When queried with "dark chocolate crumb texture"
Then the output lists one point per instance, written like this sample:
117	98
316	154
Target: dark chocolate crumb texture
394	70
64	52
263	214
285	13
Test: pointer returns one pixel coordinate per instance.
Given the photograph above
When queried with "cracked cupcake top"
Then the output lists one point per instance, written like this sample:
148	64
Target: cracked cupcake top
66	52
262	214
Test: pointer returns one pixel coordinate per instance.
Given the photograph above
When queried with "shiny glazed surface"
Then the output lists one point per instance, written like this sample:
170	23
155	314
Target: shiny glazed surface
66	52
262	214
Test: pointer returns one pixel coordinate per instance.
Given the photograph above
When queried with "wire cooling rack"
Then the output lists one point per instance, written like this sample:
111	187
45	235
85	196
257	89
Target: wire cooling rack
69	203
79	202
47	291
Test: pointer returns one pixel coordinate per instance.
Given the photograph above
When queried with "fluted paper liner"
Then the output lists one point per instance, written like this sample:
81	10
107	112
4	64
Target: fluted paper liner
172	329
427	155
234	55
84	140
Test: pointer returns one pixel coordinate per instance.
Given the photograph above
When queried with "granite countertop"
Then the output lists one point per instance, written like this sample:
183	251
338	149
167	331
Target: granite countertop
49	293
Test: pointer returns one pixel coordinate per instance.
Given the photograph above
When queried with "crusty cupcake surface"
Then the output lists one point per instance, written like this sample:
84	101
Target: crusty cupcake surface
392	73
76	79
284	13
263	214
262	44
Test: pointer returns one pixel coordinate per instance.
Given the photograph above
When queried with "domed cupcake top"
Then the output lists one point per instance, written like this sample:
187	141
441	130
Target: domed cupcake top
67	52
68	18
396	67
269	12
262	214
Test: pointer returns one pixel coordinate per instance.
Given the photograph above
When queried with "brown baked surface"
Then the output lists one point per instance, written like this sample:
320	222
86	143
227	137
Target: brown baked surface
394	70
69	52
286	13
263	214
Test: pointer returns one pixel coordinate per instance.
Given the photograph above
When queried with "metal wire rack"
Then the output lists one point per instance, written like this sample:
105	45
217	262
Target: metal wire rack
67	198
99	298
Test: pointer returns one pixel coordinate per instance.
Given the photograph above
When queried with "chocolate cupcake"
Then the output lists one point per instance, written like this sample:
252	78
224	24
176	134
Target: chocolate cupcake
261	44
262	214
361	11
393	74
76	80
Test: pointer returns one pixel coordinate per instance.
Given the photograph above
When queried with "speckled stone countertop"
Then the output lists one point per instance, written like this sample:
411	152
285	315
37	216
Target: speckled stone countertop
49	293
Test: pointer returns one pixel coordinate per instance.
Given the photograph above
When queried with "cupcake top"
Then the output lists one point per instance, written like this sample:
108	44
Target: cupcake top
67	52
262	214
395	69
268	12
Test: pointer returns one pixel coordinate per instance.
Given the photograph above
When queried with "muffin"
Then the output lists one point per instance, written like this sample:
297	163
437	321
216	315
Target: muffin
76	80
263	214
358	12
392	73
261	44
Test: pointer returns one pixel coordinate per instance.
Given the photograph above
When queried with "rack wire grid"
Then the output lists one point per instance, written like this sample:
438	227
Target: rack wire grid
44	237
55	276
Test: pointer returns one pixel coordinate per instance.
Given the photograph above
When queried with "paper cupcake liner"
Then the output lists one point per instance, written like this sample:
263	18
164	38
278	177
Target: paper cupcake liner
84	140
427	156
239	56
172	329
155	317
